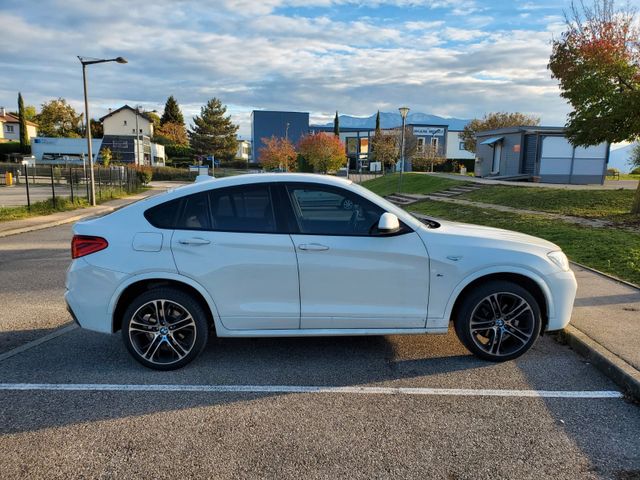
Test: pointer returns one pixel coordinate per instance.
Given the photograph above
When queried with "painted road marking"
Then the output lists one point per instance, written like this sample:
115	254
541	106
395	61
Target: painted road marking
106	387
38	341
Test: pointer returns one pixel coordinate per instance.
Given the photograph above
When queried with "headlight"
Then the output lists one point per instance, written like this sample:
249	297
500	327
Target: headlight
560	259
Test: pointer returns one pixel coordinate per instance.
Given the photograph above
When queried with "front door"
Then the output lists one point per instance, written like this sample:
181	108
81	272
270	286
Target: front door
497	153
228	241
350	275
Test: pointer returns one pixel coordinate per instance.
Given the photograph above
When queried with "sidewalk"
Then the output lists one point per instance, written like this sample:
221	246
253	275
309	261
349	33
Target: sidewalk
14	227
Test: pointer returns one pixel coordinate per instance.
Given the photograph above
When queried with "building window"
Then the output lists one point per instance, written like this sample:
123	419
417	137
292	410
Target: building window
421	144
461	146
9	128
124	123
140	130
434	143
133	130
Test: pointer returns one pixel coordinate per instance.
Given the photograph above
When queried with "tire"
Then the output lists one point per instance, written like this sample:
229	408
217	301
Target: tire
165	328
498	321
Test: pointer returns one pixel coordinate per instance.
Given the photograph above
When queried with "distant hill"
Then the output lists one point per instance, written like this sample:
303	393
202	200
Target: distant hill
619	158
390	120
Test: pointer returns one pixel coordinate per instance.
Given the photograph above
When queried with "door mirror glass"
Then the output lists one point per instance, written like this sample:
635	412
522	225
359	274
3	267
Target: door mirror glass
388	223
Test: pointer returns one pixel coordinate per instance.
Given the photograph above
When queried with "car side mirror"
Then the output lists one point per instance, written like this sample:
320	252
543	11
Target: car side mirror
388	223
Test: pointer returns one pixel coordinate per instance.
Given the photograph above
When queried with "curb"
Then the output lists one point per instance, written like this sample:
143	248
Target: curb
622	373
606	275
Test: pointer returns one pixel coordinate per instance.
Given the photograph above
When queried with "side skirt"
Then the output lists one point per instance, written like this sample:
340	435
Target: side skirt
330	332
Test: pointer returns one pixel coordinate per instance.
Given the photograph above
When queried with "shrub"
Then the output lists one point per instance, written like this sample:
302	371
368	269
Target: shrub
170	173
144	174
636	171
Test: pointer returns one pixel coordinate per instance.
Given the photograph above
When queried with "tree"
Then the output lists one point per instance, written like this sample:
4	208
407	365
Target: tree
410	143
378	121
634	158
492	121
155	119
30	113
424	160
384	149
106	155
213	133
597	63
24	134
97	130
171	134
325	153
277	152
59	119
172	113
336	125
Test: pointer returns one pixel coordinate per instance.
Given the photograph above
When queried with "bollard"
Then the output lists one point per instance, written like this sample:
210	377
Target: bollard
53	188
71	182
26	176
8	179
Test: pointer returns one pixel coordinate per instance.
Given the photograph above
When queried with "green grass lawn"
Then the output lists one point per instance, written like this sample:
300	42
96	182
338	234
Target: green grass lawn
63	204
610	250
411	183
611	204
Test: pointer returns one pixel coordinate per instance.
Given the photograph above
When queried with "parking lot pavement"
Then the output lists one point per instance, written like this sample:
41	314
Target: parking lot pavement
124	433
132	431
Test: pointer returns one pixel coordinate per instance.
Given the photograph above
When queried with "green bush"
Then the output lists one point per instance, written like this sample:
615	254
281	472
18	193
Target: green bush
636	171
170	173
144	174
178	151
11	147
234	164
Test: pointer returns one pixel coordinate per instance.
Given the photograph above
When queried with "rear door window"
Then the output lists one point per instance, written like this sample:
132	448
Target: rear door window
247	208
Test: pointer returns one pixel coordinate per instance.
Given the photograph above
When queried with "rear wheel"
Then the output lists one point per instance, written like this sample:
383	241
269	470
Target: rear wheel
164	328
498	321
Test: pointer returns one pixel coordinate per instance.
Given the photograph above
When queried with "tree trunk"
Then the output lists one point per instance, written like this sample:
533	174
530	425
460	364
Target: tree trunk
635	208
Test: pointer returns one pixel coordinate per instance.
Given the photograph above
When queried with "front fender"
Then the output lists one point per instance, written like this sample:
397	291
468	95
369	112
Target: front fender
525	272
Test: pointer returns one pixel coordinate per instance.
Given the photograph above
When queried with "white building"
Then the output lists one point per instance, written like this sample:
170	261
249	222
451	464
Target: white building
244	150
10	127
455	147
127	121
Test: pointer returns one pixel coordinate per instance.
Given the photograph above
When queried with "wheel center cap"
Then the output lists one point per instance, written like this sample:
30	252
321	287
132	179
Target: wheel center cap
500	322
164	330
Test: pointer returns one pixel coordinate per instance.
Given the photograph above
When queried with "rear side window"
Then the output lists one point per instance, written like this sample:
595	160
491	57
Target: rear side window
195	213
164	215
243	209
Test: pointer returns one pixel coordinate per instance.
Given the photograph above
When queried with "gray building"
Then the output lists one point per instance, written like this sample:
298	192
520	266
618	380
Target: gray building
266	123
538	153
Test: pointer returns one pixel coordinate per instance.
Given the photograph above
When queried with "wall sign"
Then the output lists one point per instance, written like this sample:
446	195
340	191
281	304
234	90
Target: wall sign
428	131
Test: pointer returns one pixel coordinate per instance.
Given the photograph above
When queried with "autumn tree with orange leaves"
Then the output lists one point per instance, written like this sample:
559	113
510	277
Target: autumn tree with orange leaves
325	153
597	63
277	152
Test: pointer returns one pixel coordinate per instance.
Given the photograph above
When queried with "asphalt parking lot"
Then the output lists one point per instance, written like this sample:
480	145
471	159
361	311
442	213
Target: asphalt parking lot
395	407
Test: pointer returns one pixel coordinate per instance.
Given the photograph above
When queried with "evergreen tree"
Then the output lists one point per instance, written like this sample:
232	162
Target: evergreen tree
172	112
24	135
213	132
336	125
378	122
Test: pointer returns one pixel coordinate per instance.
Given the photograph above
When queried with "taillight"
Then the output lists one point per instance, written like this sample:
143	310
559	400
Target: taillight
82	245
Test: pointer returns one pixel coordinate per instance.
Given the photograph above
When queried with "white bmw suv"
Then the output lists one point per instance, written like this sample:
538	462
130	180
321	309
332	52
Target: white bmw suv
299	255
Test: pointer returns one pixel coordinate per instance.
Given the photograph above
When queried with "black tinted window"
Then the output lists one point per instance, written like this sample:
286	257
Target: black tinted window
322	210
243	209
195	213
164	215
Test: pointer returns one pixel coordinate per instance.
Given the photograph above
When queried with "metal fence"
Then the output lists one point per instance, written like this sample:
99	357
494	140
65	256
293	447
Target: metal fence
31	184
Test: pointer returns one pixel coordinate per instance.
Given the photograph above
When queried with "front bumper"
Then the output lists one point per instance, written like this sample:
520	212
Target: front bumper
562	286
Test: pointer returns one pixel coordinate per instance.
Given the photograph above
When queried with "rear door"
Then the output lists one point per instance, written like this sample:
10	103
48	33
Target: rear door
228	240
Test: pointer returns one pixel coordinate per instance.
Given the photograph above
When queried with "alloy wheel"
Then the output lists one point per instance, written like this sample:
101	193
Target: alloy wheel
162	332
502	324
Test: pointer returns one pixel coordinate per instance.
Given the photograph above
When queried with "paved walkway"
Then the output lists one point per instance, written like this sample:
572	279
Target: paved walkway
14	227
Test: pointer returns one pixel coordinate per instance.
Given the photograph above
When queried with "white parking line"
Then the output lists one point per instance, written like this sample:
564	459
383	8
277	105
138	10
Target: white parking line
38	341
106	387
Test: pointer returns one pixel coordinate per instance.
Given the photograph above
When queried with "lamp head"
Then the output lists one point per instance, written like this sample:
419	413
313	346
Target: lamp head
121	60
404	111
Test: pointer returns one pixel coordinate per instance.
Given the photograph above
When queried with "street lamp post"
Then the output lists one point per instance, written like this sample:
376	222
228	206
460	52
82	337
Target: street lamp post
403	112
90	61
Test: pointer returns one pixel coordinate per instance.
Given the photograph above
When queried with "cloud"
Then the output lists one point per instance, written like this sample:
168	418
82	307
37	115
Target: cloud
315	55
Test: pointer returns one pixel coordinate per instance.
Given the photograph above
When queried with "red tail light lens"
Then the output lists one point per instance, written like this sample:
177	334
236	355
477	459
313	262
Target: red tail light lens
82	245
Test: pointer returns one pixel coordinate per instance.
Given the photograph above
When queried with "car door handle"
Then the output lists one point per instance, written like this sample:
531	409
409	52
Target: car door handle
315	247
194	241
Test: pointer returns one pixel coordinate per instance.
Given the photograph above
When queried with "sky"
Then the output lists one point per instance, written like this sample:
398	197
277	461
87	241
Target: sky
453	58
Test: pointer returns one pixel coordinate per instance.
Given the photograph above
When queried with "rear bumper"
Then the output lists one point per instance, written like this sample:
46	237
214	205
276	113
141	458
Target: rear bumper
89	291
563	288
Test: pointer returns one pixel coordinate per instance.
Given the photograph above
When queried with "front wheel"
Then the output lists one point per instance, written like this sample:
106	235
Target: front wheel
165	328
498	321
